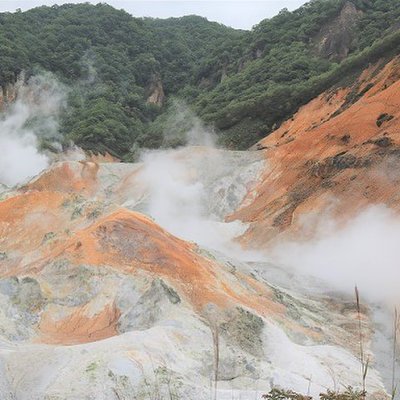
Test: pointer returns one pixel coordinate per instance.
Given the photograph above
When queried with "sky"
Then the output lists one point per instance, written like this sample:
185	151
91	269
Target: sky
236	13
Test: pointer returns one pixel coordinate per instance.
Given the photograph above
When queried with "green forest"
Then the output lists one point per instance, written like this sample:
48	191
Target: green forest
242	84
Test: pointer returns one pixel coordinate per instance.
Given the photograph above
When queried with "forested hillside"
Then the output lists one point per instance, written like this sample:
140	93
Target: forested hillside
292	58
123	73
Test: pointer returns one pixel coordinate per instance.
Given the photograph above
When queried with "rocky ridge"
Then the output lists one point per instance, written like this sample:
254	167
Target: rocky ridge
336	156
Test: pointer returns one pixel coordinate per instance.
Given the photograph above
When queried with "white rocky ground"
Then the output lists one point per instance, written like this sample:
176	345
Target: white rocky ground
164	349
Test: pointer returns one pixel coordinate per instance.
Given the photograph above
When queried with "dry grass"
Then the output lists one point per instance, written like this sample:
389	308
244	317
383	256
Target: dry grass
364	360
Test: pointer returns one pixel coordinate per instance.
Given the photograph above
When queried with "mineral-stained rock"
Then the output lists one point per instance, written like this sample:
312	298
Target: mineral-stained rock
100	302
334	137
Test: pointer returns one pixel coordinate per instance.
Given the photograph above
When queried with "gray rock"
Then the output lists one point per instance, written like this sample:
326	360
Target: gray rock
150	308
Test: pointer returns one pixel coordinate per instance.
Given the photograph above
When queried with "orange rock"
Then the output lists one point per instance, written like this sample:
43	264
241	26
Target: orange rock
77	327
129	242
78	177
332	158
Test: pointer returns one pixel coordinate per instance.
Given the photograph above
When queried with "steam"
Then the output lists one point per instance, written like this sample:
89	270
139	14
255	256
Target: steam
179	184
177	200
179	197
73	153
364	252
31	118
184	128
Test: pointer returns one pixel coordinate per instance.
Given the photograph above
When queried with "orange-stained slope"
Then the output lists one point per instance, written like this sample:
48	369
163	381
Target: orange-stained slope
38	228
338	154
79	177
131	242
78	327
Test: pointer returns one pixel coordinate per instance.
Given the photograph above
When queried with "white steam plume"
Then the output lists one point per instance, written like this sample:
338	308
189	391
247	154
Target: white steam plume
184	127
364	252
181	186
32	116
177	199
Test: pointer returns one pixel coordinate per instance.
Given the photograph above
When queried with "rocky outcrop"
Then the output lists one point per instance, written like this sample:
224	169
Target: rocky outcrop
335	38
8	93
156	91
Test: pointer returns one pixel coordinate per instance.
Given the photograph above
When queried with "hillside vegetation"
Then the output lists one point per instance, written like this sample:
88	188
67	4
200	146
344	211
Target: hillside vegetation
124	73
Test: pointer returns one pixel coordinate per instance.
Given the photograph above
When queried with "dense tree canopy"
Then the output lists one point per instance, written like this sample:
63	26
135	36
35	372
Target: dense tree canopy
243	83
